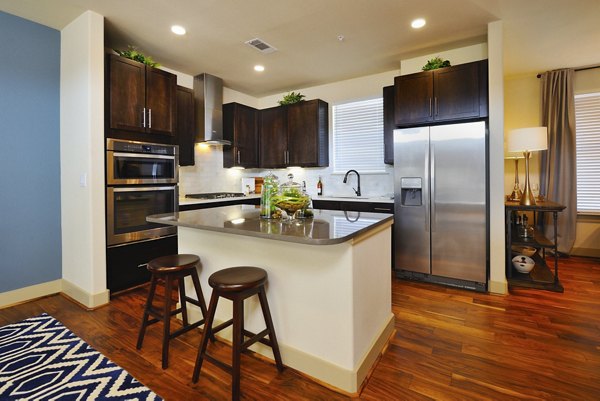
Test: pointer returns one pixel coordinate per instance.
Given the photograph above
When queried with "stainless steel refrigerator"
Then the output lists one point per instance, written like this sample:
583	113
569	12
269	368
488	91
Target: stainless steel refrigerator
441	212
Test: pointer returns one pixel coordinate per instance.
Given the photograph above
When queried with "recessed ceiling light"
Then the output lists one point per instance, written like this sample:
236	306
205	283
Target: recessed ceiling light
178	30
259	68
418	23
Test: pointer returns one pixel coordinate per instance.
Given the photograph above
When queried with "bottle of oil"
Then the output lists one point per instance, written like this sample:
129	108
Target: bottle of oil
320	187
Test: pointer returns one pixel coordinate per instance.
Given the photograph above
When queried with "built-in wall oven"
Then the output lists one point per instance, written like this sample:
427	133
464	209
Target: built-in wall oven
141	179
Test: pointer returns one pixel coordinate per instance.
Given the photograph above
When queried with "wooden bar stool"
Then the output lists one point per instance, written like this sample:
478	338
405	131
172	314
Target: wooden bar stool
237	284
170	268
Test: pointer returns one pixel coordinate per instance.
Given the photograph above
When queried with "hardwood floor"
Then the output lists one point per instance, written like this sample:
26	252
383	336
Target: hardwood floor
449	345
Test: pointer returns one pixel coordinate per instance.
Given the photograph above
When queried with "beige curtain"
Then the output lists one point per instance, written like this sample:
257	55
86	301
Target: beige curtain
558	172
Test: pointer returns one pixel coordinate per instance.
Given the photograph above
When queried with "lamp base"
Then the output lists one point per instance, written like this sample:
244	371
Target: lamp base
528	198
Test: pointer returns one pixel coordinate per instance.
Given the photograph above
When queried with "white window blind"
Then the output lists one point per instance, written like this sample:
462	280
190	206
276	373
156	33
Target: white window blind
587	121
358	136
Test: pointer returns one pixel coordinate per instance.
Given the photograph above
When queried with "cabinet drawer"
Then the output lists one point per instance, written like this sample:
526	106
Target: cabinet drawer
126	264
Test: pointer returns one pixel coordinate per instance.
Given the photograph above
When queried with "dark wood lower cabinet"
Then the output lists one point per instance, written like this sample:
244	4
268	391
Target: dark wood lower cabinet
371	207
126	264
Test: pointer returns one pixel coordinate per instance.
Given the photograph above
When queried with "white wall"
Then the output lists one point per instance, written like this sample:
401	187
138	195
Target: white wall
82	160
497	282
457	56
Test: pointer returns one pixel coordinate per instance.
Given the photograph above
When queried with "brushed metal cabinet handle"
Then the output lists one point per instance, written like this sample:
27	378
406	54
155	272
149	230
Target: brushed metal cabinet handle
238	156
149	118
144	117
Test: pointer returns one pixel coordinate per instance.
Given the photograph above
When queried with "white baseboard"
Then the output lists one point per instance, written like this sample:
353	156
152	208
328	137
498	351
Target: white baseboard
25	294
322	371
498	287
87	300
588	252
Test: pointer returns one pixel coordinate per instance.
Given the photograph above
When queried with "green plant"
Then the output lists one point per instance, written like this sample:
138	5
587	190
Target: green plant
291	98
132	53
436	63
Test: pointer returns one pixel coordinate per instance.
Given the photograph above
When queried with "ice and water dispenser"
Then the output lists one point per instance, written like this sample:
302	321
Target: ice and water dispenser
411	191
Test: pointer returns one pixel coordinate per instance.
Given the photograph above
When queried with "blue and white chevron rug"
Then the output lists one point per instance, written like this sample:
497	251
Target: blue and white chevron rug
40	359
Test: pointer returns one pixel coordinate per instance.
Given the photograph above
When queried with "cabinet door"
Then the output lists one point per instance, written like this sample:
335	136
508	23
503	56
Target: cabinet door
126	94
185	126
456	92
413	98
240	127
273	137
308	134
160	101
389	124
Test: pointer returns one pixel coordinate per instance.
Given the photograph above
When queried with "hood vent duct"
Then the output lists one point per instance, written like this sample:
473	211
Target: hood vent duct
208	95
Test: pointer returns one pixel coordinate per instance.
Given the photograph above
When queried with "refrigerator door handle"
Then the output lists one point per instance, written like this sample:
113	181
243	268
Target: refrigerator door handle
426	198
432	188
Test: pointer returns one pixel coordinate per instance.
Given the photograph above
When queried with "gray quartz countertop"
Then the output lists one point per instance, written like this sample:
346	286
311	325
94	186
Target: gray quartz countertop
327	227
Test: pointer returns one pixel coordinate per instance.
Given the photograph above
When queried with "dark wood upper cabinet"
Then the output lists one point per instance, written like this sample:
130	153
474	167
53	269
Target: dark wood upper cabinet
140	99
388	124
240	127
414	98
161	87
273	137
185	126
446	94
308	131
295	135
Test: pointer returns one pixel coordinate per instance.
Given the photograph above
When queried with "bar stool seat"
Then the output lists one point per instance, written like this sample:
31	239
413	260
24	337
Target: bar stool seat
237	284
168	269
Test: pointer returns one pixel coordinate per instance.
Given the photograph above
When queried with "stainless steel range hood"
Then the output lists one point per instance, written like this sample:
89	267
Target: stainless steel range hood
208	94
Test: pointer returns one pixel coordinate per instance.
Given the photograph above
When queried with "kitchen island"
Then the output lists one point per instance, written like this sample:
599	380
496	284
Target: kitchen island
329	283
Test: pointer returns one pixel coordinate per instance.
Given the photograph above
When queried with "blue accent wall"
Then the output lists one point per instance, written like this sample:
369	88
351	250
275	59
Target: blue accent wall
30	235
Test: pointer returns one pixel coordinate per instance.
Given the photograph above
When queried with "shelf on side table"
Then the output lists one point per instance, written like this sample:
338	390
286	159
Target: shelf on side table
541	277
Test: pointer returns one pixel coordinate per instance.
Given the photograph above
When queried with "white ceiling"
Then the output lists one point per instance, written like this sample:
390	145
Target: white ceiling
539	34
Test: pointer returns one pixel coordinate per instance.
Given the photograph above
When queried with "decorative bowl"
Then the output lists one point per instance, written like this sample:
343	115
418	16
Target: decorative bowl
524	250
523	264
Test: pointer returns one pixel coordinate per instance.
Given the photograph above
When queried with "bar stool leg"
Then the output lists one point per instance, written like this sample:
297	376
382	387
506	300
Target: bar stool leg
182	297
147	308
269	322
167	321
200	296
238	339
212	307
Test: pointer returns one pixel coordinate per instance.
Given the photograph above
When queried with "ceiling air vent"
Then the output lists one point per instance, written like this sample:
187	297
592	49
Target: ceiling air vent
261	45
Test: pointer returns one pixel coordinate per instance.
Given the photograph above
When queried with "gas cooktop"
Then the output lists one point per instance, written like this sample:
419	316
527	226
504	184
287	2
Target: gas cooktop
216	195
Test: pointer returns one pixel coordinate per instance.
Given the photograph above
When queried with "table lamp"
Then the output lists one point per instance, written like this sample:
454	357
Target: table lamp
527	140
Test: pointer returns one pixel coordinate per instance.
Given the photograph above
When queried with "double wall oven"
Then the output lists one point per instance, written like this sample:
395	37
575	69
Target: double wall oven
141	179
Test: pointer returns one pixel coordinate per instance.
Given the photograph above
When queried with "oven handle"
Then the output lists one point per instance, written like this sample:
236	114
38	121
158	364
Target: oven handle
141	189
143	155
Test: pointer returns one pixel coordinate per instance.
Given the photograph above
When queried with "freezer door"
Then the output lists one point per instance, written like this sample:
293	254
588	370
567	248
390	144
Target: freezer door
458	201
411	200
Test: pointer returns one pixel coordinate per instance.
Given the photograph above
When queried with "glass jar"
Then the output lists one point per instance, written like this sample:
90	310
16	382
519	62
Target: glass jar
291	199
269	189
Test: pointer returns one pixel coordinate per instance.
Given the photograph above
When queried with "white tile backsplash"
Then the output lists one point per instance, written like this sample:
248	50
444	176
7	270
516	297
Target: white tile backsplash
208	175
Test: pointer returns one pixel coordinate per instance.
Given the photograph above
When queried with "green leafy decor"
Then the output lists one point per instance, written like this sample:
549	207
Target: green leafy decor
436	63
133	53
291	98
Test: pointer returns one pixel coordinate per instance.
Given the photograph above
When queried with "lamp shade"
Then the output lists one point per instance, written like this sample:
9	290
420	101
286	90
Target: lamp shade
527	139
512	155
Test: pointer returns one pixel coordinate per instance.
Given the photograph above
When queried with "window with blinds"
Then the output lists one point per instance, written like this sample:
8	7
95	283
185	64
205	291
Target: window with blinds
587	121
358	136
